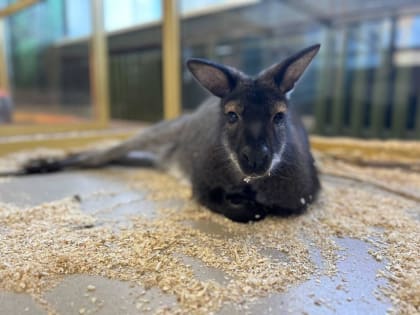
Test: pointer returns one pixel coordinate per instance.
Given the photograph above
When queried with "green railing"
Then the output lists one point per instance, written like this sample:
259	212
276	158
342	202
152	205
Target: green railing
382	101
136	85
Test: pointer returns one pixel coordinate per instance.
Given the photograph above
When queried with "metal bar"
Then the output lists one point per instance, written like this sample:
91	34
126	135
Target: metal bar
99	63
118	87
324	83
357	112
171	60
112	91
400	102
400	98
339	86
16	7
125	86
382	83
4	76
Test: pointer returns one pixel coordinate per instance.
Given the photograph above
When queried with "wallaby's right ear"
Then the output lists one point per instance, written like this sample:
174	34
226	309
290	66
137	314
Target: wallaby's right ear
219	80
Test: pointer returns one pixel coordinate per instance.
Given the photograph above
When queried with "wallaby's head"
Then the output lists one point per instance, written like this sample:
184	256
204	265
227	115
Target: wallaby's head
254	109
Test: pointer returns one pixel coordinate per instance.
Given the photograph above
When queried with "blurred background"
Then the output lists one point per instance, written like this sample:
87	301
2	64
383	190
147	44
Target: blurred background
364	83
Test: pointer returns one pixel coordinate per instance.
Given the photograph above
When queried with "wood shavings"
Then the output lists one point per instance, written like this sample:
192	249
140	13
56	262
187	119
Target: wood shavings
91	287
40	244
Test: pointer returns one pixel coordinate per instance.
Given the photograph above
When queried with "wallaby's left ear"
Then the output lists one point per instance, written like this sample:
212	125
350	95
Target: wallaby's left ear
285	74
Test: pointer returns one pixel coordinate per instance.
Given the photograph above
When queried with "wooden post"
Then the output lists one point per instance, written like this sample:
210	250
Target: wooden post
171	60
99	63
4	77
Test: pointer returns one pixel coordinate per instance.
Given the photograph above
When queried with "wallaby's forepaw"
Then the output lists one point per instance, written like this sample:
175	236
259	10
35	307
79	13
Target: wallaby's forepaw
242	209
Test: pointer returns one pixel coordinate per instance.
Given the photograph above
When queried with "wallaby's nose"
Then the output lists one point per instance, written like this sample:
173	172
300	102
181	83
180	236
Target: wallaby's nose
255	160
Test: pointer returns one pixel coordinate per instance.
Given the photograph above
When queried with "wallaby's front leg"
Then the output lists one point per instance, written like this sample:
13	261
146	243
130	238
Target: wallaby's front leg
242	210
238	207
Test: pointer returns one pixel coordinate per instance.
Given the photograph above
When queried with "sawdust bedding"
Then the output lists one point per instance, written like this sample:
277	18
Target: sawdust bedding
40	245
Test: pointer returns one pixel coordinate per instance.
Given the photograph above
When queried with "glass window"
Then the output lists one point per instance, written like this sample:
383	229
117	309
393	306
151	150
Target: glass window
125	13
408	30
135	59
363	81
188	6
5	3
48	52
250	37
77	18
49	81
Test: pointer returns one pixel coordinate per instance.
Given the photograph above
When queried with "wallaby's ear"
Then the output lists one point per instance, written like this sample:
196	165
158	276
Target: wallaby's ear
286	73
219	80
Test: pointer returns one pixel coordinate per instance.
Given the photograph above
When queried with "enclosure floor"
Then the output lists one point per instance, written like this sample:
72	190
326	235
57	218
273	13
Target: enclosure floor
115	199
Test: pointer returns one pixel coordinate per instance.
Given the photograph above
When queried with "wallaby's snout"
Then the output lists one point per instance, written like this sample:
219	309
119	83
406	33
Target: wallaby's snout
255	161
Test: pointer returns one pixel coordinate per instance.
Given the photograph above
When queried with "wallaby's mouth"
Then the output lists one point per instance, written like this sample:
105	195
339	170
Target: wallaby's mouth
252	174
255	174
254	163
266	170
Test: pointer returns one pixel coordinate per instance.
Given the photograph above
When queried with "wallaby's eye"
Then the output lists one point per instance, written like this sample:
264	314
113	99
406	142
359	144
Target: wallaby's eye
232	117
278	118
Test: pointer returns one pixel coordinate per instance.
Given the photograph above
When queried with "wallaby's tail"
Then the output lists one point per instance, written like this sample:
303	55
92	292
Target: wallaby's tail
153	142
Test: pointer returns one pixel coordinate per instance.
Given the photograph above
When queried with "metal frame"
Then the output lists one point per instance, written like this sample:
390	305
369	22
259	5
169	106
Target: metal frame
99	74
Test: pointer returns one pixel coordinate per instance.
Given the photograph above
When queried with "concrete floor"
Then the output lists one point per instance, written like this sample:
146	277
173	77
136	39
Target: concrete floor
359	268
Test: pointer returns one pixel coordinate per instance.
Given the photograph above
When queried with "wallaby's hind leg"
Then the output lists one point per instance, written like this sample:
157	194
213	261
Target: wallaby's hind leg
158	140
88	159
49	165
103	157
138	158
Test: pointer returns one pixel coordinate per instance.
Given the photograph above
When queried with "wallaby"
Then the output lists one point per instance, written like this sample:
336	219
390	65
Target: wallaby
245	152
